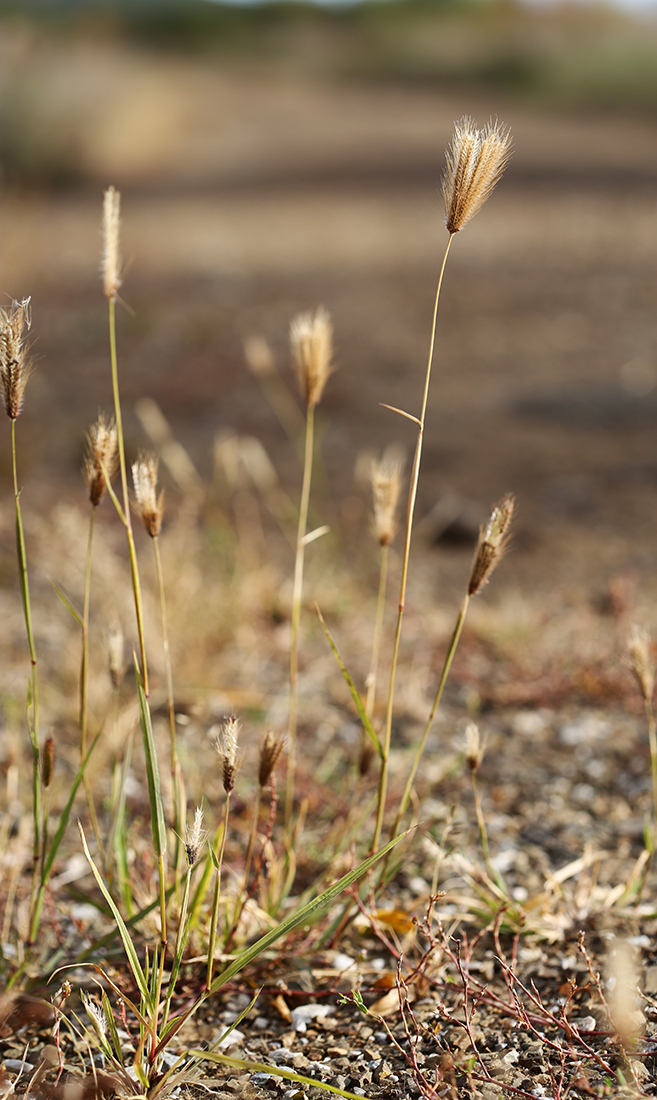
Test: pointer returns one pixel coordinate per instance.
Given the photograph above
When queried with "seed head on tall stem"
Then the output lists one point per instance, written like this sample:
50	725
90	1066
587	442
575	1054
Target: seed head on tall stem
149	503
311	340
475	161
111	258
15	365
101	452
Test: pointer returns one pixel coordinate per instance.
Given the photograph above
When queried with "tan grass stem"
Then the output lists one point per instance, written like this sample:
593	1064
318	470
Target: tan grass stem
412	496
127	521
214	918
176	772
297	596
378	629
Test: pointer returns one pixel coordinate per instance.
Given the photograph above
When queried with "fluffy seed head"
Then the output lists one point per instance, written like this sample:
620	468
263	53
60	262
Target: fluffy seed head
386	484
311	339
195	837
271	750
226	746
96	1014
149	504
493	540
111	261
101	451
115	655
475	161
15	366
474	749
640	661
47	761
259	356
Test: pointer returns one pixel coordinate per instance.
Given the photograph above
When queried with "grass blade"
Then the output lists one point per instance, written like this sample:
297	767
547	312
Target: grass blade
158	826
367	725
133	961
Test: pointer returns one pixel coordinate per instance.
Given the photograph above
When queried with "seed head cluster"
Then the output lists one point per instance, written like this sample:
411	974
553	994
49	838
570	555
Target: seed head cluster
101	452
475	162
474	748
195	837
111	260
311	339
149	504
15	366
386	484
493	540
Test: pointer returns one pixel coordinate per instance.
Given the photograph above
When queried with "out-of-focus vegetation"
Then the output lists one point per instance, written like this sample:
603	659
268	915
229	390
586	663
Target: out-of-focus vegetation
561	56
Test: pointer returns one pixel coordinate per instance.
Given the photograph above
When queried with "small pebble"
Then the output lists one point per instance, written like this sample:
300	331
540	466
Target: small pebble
15	1065
302	1015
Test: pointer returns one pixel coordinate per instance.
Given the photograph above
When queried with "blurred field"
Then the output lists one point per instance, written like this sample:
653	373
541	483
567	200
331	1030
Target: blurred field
265	174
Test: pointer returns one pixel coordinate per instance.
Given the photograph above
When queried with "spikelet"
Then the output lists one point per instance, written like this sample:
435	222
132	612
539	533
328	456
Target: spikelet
111	260
640	662
493	540
101	451
386	484
116	655
149	504
15	367
195	837
474	748
475	162
311	339
259	356
226	746
272	748
47	761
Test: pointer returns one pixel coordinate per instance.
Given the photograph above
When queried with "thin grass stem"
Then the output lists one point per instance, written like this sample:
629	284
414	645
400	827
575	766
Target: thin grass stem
412	496
136	587
297	595
481	824
176	776
214	919
378	628
652	741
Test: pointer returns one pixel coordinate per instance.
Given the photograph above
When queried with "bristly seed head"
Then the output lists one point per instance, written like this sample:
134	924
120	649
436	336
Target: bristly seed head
493	540
474	749
96	1014
101	451
47	761
259	356
640	661
111	261
311	339
195	838
475	162
15	367
116	655
226	745
386	484
149	504
271	750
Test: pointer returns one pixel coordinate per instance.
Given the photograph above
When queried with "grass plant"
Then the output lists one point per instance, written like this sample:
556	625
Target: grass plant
202	903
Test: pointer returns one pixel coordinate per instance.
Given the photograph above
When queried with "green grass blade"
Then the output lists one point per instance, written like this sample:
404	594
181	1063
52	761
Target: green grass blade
68	605
111	1027
66	812
302	915
131	954
358	703
261	1067
158	826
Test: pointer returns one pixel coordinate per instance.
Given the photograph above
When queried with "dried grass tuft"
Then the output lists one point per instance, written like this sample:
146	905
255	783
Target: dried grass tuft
150	505
386	486
15	366
493	540
311	339
111	259
101	452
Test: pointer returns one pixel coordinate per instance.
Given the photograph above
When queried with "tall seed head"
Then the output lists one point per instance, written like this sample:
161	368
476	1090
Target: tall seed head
149	504
493	541
116	655
271	750
311	339
101	451
640	661
47	761
386	484
475	161
111	260
226	746
15	366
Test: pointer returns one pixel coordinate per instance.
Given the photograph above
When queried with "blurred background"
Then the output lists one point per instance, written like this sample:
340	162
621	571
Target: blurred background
274	157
